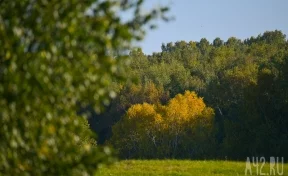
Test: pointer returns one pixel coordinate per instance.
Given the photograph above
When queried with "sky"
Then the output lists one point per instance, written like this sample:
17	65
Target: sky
196	19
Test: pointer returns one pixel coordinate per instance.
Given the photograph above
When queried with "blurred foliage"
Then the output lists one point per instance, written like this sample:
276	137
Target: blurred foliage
56	57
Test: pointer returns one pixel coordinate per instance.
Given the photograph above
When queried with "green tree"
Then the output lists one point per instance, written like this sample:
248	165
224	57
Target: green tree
57	56
218	42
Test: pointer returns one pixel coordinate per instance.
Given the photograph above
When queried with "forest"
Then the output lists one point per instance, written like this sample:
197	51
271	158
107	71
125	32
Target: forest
202	100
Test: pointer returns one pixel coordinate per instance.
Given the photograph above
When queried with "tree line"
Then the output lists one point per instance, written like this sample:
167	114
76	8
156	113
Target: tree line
244	82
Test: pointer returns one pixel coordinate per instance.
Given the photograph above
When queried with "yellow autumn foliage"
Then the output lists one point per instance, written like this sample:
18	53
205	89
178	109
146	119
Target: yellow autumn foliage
144	114
147	128
185	107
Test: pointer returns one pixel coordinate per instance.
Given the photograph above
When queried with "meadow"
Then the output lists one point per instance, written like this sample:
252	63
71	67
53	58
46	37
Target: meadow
186	168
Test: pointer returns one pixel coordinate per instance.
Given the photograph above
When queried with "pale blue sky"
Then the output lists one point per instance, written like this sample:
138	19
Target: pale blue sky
196	19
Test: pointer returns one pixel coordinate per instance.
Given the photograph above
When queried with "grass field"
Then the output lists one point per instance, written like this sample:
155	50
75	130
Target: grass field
185	167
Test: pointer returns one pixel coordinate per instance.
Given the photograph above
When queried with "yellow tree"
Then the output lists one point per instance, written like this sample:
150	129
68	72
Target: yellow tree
184	114
136	133
164	131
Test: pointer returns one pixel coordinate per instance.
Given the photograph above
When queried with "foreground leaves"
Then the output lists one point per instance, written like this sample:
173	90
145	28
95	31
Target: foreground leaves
55	58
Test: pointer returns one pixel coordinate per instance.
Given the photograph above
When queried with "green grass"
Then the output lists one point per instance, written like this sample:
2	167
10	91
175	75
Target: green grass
183	167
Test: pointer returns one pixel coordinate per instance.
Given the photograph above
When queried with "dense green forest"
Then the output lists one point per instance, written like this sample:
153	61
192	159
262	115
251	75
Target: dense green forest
199	100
